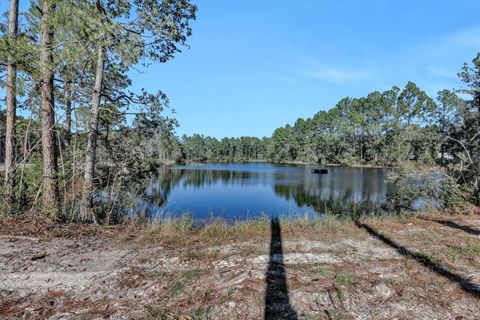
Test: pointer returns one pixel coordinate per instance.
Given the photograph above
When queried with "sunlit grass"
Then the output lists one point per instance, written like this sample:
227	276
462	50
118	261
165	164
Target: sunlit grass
180	228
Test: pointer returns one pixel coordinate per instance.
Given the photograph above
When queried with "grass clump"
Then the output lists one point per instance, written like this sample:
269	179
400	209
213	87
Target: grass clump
323	271
345	279
217	228
189	274
171	226
230	293
468	249
200	313
256	228
190	255
452	254
156	313
387	281
177	288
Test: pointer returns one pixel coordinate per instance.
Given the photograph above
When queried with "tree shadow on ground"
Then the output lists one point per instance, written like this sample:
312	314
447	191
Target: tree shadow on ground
465	284
277	302
455	225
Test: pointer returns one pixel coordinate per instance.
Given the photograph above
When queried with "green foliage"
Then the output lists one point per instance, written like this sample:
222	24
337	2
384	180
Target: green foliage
345	278
451	193
156	313
323	271
416	188
198	148
465	137
29	185
383	128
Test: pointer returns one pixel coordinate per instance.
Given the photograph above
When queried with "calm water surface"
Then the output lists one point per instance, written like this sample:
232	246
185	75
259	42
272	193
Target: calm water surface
249	190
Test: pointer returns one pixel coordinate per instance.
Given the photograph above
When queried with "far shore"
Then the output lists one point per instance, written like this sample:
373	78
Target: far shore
295	163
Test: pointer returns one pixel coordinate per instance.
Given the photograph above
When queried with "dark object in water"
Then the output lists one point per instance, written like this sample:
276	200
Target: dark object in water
320	171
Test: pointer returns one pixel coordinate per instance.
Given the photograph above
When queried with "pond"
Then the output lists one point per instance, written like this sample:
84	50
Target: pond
248	190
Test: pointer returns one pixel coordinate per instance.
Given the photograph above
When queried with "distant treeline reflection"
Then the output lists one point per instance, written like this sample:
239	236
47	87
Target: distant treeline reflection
344	190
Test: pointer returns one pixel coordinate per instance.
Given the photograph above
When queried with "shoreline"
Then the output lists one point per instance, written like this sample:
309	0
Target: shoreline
296	163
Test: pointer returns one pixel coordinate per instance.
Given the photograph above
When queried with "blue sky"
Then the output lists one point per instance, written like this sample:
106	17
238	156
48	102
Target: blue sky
255	65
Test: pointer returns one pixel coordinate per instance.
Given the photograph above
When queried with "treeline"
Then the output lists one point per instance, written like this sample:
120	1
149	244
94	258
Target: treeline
384	129
197	148
73	133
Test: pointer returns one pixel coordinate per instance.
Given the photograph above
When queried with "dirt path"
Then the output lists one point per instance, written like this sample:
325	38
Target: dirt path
415	269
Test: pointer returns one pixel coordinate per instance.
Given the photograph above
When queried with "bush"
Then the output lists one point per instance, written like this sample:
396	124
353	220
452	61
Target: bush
413	189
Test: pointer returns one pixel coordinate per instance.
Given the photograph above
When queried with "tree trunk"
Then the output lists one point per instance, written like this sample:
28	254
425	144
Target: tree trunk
49	148
11	108
68	112
91	151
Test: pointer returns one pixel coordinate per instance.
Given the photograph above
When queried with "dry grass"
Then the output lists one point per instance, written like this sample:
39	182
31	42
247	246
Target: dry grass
175	269
180	231
170	227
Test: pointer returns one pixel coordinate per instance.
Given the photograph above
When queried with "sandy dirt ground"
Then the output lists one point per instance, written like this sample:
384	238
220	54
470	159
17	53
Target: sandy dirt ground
418	268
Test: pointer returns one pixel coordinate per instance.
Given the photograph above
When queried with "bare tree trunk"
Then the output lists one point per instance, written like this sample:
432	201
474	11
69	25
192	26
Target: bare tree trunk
68	112
68	96
49	148
11	108
91	151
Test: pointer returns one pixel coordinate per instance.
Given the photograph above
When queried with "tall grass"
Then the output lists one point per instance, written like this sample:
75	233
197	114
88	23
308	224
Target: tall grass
218	230
171	225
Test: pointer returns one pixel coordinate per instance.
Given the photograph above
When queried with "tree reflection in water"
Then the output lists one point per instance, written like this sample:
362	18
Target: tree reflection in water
343	190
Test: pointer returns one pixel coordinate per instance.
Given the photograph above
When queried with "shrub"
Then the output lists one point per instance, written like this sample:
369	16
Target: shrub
413	189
